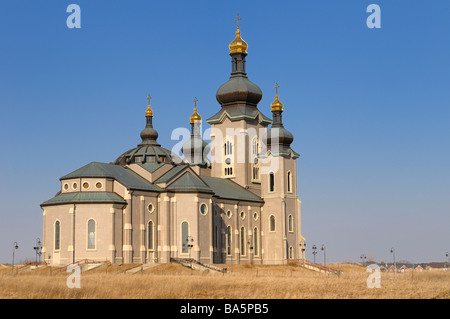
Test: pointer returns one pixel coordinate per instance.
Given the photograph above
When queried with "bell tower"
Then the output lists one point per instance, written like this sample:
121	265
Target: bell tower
237	127
282	232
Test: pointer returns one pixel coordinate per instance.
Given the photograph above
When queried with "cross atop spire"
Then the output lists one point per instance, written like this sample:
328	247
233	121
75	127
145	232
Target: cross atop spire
276	88
149	111
195	102
237	19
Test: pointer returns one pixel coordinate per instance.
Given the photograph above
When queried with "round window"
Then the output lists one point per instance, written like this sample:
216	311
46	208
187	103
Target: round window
74	185
229	214
66	186
255	216
85	185
99	185
203	209
150	208
242	215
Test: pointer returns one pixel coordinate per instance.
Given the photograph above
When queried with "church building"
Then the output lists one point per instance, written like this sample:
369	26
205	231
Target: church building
233	200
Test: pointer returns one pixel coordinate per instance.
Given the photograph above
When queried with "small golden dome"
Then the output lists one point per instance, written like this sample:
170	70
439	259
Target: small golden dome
149	111
195	116
238	44
277	105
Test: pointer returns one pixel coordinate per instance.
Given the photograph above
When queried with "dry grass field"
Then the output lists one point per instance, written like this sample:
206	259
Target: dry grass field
173	281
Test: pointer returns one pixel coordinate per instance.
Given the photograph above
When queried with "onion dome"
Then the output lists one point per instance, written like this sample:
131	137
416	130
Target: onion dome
276	105
195	116
278	139
148	151
238	44
238	89
195	149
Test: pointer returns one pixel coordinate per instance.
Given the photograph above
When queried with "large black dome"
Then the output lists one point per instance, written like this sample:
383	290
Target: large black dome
239	89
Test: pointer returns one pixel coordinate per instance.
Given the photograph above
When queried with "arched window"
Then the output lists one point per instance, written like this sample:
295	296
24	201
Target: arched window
150	235
91	234
290	223
256	241
272	223
57	234
271	182
228	147
289	182
242	241
228	235
184	237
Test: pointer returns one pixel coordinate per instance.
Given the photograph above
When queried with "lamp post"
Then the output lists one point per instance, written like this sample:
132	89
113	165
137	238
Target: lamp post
37	249
189	242
15	247
302	249
448	259
314	248
324	256
251	249
363	257
393	256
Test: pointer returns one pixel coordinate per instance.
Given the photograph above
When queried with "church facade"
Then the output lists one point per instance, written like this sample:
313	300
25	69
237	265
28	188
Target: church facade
231	201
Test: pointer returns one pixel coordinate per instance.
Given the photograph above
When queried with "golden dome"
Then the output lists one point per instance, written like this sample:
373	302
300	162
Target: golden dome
277	105
195	116
238	44
149	111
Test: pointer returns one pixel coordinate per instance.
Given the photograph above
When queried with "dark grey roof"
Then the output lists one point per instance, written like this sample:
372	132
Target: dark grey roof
190	183
236	112
123	175
227	189
85	197
151	167
171	174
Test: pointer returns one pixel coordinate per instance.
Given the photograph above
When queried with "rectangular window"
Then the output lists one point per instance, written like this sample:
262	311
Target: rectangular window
271	182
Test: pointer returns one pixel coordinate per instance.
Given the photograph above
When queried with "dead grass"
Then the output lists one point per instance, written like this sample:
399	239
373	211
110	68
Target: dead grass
173	281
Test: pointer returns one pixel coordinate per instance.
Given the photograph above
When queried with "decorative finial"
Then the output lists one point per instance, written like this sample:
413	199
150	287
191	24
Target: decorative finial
237	19
149	111
276	105
238	44
195	116
276	89
195	103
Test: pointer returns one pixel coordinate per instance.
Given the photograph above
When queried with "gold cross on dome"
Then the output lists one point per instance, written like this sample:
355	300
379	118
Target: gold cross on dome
237	19
148	98
195	102
276	88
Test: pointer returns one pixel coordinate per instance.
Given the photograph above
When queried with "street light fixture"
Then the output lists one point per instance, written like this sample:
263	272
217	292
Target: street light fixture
249	242
15	247
324	256
190	244
303	248
393	256
314	248
37	249
363	257
448	259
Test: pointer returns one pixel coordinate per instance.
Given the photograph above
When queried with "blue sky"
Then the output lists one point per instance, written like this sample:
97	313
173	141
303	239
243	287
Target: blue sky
369	108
